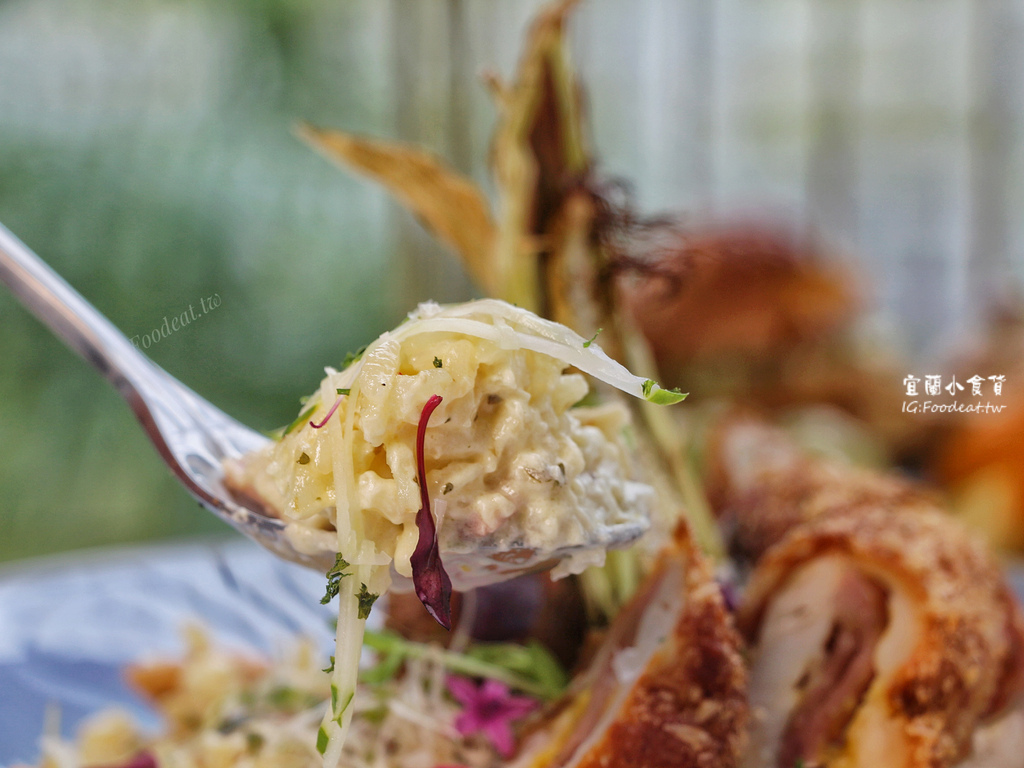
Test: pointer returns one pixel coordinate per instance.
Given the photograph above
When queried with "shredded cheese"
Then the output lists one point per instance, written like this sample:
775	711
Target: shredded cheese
519	468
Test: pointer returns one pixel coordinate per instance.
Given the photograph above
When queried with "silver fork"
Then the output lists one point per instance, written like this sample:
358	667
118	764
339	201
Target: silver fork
192	436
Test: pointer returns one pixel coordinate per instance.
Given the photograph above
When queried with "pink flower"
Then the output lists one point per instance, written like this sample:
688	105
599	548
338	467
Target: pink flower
489	709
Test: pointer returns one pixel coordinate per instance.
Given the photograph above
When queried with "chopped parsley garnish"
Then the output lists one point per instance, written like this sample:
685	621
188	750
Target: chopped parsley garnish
438	363
334	577
366	600
343	391
253	741
321	740
592	339
303	458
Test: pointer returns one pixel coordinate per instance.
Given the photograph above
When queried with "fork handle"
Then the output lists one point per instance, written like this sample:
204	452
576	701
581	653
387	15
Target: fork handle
74	320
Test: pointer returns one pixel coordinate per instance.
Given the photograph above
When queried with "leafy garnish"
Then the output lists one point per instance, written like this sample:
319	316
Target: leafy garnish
592	339
668	396
432	583
366	600
329	669
334	577
343	391
438	363
528	668
352	357
655	394
321	740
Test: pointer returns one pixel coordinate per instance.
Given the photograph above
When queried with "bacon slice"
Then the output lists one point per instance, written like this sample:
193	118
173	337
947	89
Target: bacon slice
667	688
832	691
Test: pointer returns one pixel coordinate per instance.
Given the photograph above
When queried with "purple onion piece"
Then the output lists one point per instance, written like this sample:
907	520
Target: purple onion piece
433	586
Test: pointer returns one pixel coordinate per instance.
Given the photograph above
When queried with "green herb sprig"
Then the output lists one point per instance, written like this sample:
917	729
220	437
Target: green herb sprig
529	668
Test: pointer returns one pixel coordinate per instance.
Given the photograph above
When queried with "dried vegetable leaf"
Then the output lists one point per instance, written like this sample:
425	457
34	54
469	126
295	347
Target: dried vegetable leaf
539	154
449	205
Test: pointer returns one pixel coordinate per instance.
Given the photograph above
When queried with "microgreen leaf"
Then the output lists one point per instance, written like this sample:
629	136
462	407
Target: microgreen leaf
438	363
655	394
352	357
432	583
667	396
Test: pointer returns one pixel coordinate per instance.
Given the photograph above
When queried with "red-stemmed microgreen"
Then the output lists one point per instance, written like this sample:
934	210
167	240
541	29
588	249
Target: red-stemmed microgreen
431	581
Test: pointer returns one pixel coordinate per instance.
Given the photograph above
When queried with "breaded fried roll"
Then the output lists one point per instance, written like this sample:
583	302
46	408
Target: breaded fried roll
667	688
761	485
881	636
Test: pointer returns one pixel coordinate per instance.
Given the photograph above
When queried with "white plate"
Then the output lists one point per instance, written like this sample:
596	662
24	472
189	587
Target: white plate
69	624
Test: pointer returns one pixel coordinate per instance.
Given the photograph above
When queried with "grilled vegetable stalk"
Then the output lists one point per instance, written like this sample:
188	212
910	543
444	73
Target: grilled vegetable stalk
667	687
881	636
549	243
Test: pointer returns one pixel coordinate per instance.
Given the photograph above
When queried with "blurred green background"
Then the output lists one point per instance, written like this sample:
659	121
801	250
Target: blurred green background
146	153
